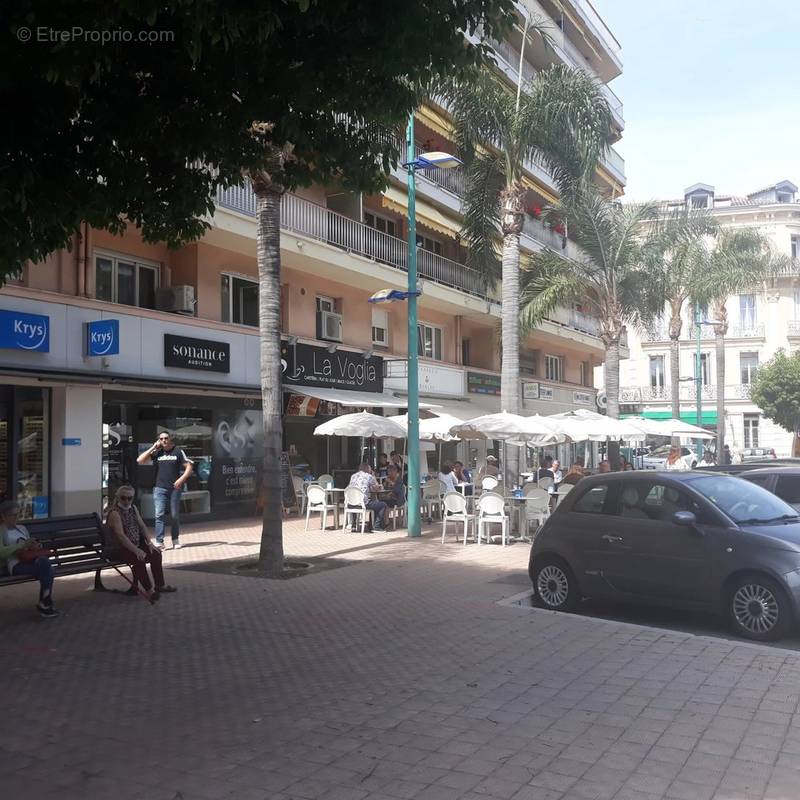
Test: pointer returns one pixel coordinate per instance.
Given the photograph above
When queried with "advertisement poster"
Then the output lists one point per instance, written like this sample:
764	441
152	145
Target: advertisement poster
238	448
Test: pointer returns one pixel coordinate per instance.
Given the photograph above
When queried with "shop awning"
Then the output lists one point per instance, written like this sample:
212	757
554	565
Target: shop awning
355	399
706	418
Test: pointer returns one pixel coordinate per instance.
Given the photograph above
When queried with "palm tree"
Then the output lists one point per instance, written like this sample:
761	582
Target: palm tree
736	260
613	277
677	250
562	122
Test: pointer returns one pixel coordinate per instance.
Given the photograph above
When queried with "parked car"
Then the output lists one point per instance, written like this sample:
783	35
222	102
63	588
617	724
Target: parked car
739	469
757	454
781	481
693	540
657	459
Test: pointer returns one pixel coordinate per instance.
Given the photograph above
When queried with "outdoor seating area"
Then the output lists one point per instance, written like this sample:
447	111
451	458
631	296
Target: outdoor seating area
483	509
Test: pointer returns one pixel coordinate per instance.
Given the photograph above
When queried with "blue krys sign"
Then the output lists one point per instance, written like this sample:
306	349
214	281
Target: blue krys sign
20	331
102	337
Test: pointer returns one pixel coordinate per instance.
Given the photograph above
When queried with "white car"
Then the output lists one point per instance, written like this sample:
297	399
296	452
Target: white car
657	459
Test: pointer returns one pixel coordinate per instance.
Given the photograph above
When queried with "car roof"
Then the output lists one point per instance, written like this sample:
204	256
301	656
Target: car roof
782	470
641	475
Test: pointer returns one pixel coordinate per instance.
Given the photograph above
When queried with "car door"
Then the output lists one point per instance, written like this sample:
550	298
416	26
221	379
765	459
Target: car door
648	555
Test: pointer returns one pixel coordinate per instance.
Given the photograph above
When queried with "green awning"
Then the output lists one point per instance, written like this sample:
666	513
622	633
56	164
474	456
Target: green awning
707	417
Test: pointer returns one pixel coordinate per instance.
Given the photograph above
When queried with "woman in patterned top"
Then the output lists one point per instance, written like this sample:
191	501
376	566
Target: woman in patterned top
131	544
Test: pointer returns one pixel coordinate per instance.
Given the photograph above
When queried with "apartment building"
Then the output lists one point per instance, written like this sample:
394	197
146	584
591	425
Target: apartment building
761	321
106	344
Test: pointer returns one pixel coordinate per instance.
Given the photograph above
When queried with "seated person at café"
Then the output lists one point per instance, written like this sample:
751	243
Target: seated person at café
545	470
396	459
489	469
383	466
448	478
463	475
574	475
23	555
604	466
558	475
397	488
365	481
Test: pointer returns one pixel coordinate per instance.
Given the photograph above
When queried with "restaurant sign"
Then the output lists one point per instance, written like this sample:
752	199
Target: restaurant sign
583	398
480	383
308	365
545	392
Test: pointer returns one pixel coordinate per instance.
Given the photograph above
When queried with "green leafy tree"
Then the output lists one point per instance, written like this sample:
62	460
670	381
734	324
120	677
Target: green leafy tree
560	121
776	390
112	133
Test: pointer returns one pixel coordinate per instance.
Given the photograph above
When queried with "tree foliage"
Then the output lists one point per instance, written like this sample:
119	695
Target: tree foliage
776	390
110	132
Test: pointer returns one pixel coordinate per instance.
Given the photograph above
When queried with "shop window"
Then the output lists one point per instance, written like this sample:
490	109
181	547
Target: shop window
128	281
554	368
239	300
380	327
429	341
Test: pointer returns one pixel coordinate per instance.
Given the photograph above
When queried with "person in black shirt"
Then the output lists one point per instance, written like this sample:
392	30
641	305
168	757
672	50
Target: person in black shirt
397	488
173	469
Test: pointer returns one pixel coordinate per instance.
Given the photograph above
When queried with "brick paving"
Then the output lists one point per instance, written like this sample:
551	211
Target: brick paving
398	676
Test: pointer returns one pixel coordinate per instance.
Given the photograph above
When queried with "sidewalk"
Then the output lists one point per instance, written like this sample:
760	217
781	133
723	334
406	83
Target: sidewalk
395	676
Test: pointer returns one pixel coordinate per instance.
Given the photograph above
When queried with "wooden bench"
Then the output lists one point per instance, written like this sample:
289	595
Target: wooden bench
78	544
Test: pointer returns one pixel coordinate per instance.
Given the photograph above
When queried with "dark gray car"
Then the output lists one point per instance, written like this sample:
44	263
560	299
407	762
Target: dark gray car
682	539
782	481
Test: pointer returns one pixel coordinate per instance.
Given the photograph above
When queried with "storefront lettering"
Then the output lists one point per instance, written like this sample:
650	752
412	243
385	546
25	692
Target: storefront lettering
180	351
306	365
349	370
20	331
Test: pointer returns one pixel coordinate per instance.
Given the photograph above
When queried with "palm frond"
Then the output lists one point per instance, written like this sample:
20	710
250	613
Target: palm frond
549	281
484	180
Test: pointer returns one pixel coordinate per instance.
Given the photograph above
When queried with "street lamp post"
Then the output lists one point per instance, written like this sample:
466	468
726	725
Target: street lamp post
698	378
413	162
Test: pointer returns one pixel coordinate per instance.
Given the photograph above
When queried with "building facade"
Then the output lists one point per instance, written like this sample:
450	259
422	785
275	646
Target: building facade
107	343
761	321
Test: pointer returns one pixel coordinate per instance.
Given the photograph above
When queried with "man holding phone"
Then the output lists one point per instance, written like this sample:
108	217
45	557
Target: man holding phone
173	468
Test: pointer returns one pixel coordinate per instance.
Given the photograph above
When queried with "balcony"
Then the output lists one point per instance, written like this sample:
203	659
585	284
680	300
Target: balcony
317	222
576	320
793	329
637	395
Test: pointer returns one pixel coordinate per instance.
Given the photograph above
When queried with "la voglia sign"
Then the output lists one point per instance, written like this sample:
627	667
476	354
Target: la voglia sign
201	354
307	365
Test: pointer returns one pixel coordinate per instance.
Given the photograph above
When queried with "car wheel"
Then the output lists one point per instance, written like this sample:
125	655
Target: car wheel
554	585
758	608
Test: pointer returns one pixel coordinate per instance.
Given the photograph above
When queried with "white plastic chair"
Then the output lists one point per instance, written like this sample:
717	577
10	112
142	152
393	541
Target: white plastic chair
537	505
455	510
300	492
492	509
354	503
317	500
563	490
489	483
432	493
325	480
394	513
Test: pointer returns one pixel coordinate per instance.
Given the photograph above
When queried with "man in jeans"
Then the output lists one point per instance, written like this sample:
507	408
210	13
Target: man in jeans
173	469
365	481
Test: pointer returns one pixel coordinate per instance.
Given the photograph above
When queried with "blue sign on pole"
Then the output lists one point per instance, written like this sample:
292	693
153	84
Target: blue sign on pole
102	337
19	331
71	442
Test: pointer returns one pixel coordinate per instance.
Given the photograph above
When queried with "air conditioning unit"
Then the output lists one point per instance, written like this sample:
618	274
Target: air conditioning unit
177	299
329	326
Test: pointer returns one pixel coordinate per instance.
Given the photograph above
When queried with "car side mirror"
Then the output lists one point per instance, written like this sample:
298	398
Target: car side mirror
686	519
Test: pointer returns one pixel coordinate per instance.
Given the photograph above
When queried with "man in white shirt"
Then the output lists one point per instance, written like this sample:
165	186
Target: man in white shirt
365	481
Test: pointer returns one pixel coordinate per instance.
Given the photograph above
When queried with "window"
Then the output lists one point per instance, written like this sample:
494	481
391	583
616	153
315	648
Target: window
553	368
584	374
429	341
326	303
239	300
747	311
751	430
705	369
795	245
382	224
465	354
699	201
759	480
788	489
431	245
125	280
528	362
797	304
748	365
657	376
593	501
380	327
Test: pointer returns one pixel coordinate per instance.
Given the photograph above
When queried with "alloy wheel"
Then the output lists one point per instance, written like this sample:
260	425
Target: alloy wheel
755	608
552	586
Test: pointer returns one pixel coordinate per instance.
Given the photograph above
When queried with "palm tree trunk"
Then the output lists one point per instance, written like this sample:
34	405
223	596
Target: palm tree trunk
268	254
674	376
612	394
720	314
509	367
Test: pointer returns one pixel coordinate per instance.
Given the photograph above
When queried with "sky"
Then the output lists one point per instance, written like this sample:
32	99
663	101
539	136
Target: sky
711	93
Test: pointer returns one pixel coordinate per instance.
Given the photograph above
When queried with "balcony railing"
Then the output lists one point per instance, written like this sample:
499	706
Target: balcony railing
328	226
511	57
793	328
634	395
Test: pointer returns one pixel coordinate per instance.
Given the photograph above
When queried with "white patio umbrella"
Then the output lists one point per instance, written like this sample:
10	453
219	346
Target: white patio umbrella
508	427
584	425
363	424
669	427
434	428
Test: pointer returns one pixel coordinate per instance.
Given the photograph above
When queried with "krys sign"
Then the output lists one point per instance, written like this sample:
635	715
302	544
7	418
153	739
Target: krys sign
306	365
20	331
102	337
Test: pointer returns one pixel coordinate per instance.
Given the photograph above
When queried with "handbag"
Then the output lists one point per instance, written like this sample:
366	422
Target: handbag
30	555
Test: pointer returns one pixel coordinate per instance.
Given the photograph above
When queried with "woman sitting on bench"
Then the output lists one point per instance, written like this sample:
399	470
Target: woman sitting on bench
130	543
19	550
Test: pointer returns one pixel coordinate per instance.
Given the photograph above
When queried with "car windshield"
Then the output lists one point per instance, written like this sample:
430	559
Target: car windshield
742	501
